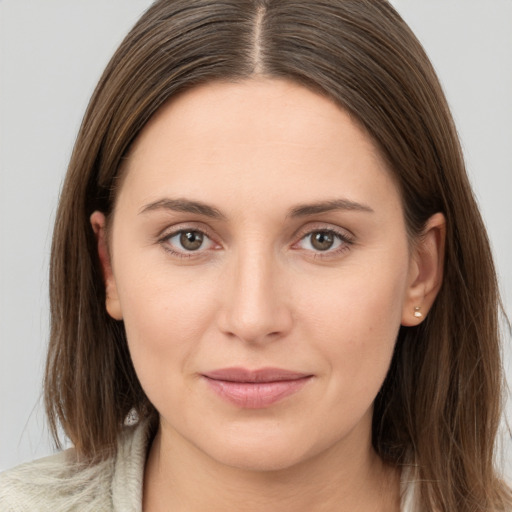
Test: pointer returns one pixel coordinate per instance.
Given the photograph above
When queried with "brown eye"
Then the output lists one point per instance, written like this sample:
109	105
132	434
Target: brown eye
188	243
322	240
191	240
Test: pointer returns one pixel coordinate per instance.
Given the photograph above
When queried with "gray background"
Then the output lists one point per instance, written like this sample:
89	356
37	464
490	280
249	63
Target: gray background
51	56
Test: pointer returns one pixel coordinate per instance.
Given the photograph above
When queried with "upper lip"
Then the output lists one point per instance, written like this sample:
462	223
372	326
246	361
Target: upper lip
237	374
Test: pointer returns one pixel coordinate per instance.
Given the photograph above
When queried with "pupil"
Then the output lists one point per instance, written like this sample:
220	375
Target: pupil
322	241
191	240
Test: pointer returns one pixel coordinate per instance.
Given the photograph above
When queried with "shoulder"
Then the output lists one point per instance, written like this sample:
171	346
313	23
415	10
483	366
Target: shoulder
61	483
55	483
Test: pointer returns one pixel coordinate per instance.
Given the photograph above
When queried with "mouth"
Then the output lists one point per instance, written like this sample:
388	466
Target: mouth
255	389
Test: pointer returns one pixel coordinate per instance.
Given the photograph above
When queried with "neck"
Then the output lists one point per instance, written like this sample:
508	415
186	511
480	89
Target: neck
347	477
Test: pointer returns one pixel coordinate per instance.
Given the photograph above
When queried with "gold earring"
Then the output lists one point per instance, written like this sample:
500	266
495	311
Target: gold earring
417	313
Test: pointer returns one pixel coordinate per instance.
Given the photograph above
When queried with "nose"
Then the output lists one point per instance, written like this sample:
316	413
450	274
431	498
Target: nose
255	306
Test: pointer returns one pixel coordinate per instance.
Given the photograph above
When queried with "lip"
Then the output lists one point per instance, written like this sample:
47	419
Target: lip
255	389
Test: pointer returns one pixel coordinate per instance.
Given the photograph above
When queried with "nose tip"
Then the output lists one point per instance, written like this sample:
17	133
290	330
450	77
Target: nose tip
255	328
255	319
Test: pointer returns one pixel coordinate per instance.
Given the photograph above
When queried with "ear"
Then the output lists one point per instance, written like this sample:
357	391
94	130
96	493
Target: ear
112	300
425	272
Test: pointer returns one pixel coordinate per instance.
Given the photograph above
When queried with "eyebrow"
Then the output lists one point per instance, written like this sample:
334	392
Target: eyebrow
304	210
183	205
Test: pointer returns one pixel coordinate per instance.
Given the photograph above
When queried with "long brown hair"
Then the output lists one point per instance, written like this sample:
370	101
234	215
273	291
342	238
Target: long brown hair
440	405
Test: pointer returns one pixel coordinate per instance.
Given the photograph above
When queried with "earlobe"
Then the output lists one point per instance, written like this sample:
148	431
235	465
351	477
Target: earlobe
426	271
112	304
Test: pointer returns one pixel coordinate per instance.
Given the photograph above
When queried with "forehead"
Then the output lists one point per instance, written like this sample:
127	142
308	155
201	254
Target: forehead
261	136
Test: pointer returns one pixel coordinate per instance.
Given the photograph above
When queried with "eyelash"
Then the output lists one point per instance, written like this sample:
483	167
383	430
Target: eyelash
163	241
346	241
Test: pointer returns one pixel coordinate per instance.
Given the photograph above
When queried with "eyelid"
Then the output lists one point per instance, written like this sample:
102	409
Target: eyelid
346	237
314	227
186	226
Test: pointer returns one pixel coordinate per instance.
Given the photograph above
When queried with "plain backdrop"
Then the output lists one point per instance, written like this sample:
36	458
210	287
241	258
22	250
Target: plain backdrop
51	56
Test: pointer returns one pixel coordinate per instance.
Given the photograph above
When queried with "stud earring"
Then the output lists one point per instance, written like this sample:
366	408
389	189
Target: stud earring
417	313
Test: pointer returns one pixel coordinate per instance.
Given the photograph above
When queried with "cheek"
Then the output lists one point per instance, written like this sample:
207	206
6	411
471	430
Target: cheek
366	294
354	322
165	316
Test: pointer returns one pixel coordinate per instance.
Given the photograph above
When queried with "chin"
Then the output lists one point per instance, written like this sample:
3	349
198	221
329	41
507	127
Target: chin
262	451
258	459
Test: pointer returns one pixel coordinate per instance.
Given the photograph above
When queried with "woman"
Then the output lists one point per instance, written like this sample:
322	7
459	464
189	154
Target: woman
271	287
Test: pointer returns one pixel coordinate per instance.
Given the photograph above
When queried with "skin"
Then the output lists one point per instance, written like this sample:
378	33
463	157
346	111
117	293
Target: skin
259	293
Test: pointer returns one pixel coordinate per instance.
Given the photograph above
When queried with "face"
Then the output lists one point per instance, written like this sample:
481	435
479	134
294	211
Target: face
260	263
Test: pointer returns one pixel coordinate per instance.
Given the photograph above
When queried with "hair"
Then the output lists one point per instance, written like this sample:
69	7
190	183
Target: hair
440	406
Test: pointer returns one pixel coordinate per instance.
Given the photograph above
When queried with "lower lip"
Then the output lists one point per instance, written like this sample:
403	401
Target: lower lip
255	395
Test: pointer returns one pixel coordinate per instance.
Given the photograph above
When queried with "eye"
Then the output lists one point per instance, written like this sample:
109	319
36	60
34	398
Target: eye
187	241
324	241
